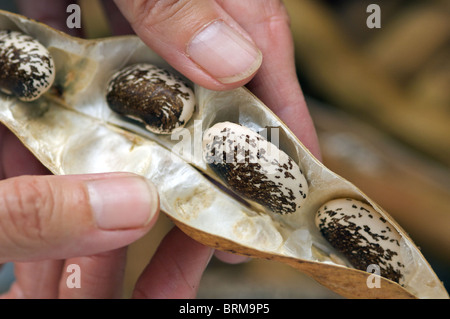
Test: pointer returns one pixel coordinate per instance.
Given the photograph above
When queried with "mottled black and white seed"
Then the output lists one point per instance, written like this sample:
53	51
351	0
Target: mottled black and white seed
254	168
151	95
363	235
27	69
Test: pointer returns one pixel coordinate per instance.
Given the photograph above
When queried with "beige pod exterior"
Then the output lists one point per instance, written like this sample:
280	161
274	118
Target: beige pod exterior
71	130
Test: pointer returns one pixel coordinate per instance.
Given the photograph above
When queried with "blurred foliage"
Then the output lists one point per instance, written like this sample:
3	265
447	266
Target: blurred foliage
380	99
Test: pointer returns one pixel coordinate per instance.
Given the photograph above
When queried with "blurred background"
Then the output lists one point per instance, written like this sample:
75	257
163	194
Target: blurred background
380	99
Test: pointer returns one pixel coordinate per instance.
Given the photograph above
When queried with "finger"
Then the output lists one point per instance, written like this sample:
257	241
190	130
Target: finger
230	258
16	159
50	12
198	38
101	276
176	268
36	280
276	82
2	134
56	217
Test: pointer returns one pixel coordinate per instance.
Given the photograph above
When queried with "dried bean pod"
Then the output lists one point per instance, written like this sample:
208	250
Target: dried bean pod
76	133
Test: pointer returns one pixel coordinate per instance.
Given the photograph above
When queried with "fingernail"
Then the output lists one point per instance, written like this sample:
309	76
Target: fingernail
224	53
123	202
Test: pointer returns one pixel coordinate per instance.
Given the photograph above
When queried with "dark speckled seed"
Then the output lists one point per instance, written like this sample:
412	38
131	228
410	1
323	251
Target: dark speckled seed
254	168
363	239
151	95
26	67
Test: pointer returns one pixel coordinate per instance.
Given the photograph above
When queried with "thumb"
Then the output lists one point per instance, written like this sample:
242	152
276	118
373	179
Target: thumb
198	38
58	217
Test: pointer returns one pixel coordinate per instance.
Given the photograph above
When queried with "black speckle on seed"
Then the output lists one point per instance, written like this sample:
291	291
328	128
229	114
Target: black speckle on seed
151	95
27	68
233	155
361	245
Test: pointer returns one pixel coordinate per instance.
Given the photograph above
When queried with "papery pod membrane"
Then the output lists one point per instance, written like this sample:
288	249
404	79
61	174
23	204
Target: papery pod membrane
71	130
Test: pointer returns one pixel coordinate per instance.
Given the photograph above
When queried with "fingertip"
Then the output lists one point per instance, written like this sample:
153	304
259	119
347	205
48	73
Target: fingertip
175	269
230	258
125	202
224	53
73	215
198	38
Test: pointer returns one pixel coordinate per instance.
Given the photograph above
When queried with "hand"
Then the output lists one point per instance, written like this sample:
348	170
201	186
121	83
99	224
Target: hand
48	222
246	37
221	44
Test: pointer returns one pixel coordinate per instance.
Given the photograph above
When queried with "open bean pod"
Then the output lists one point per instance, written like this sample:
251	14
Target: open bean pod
334	232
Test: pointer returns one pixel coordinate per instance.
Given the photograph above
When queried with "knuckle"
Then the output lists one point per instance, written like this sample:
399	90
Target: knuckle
275	12
153	12
28	206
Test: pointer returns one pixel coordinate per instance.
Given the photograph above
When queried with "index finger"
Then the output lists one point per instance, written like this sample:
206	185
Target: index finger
198	38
